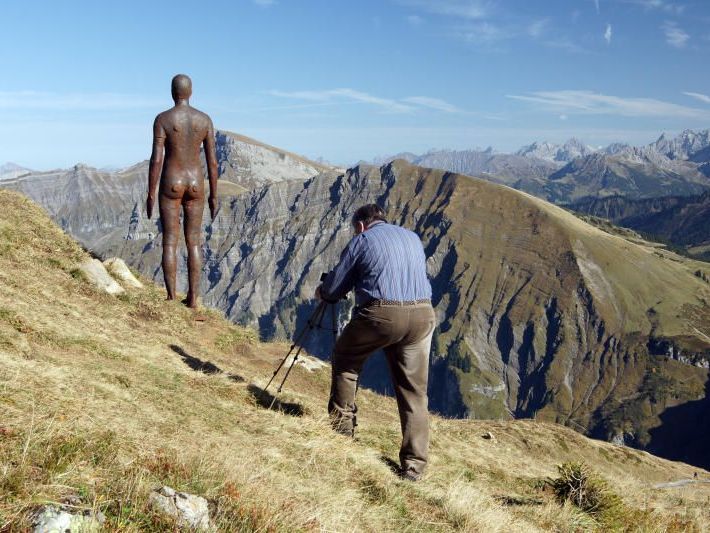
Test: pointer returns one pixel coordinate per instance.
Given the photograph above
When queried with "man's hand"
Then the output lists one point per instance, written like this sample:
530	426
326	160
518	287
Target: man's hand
212	201
149	205
317	295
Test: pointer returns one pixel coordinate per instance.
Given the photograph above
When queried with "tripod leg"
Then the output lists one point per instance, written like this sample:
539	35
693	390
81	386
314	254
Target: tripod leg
315	318
295	357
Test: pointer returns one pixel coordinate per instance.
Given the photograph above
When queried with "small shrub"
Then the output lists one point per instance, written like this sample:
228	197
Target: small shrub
78	275
578	484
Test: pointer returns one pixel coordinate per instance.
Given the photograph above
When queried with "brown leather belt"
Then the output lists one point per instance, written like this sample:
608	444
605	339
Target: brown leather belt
397	302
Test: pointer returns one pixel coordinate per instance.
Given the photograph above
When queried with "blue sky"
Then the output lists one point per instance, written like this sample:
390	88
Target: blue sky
347	80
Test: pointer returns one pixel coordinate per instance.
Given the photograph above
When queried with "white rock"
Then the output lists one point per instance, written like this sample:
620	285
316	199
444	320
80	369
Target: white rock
54	520
188	509
118	269
306	361
97	275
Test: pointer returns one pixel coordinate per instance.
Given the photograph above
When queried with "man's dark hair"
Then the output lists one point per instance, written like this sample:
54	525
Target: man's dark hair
367	214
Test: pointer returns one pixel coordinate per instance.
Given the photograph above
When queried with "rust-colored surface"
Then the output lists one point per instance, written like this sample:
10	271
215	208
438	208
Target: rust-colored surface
178	134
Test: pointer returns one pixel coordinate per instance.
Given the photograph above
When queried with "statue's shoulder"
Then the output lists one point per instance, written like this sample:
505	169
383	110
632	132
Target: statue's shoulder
160	117
204	117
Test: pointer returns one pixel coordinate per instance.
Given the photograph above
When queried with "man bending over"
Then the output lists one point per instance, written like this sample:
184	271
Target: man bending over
386	266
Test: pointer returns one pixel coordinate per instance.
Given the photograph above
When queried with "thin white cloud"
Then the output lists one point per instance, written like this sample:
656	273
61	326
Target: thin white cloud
415	20
264	3
63	102
675	35
699	96
432	103
537	28
596	4
485	33
607	34
565	44
346	95
332	95
466	9
660	5
591	103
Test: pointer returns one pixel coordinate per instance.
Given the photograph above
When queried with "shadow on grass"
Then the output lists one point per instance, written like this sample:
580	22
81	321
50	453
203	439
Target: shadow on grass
391	464
268	401
203	366
518	500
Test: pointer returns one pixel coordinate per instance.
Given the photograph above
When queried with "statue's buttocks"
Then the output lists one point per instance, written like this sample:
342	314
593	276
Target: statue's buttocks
185	130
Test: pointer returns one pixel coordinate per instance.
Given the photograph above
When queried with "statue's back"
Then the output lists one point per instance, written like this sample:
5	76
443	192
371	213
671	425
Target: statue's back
185	129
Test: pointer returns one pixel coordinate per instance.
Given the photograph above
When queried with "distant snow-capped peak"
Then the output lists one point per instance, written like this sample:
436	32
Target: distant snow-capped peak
564	153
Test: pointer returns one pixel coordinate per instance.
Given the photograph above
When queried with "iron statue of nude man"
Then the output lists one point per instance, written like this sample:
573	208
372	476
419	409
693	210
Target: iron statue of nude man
180	132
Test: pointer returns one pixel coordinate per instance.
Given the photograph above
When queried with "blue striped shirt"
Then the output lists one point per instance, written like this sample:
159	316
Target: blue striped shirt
384	262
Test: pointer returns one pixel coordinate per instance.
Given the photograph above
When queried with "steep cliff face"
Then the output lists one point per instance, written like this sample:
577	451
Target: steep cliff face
540	314
250	163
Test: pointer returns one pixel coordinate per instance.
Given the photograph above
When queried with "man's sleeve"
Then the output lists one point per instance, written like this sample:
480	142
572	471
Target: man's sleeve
341	279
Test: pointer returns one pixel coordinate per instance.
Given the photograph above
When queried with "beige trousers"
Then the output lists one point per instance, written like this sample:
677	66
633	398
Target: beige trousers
404	333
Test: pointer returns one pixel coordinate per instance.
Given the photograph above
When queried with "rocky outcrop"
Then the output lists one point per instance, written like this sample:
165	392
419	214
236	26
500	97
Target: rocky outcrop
187	509
119	270
250	163
53	519
96	274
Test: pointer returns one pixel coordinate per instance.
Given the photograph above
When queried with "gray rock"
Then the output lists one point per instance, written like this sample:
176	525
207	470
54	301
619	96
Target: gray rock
189	510
50	519
119	270
97	275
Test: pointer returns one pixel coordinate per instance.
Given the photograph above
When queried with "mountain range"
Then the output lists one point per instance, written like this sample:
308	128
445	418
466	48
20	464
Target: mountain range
569	172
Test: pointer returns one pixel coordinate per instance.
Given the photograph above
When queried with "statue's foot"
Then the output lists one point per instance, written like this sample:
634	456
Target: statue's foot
190	301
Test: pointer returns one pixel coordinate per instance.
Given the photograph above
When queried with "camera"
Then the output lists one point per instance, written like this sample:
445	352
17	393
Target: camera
323	276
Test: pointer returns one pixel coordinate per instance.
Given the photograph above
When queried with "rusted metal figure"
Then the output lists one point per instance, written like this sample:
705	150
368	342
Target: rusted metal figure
179	132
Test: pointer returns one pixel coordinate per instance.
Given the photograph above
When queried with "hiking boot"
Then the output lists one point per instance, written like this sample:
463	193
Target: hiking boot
410	474
344	431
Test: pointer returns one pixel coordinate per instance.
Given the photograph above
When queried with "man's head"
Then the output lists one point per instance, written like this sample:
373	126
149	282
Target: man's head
367	215
181	87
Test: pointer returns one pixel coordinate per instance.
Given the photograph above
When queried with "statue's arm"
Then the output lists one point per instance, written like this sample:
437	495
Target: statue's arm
156	163
211	157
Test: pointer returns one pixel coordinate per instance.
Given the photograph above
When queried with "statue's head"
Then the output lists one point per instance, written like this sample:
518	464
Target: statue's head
181	87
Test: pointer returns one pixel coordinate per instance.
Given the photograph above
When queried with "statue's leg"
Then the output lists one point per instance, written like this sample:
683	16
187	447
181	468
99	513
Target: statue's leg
193	210
170	220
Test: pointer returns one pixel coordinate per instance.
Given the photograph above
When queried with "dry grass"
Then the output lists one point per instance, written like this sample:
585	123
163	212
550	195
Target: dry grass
103	399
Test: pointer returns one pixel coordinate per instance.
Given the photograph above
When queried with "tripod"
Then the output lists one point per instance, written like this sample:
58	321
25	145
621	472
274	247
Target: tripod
315	321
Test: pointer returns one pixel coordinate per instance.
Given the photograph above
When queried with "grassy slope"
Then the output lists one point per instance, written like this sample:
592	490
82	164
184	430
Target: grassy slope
94	402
